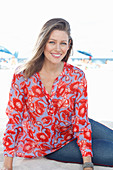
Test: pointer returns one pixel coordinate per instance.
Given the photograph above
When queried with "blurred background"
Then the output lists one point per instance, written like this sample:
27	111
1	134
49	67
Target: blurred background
92	32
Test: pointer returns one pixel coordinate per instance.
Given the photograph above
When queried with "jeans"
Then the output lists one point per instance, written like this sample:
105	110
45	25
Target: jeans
102	146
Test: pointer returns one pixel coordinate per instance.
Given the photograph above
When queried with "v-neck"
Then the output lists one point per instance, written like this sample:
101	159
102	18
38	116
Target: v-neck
54	86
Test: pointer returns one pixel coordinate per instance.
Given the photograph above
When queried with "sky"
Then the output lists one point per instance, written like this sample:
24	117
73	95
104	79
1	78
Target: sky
90	20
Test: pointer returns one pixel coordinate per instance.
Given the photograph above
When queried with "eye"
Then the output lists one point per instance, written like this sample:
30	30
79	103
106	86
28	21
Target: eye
64	43
51	42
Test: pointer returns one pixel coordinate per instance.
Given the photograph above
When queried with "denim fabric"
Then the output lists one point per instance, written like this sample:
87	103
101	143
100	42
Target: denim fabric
102	145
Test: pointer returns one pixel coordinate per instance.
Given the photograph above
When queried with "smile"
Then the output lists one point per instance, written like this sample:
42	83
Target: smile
56	55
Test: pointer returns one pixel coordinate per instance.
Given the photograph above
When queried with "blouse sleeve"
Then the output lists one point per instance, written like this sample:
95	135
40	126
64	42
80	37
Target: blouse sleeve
14	112
81	124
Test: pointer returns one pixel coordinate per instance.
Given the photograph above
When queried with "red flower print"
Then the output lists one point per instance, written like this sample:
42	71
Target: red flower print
39	108
87	153
67	78
82	122
18	106
85	91
28	147
89	145
20	154
56	106
33	116
47	120
29	156
11	121
74	87
11	132
83	143
87	135
7	143
30	132
65	114
61	128
65	103
82	110
78	94
34	79
47	131
37	91
16	118
71	103
61	90
83	101
76	128
75	77
44	147
41	153
42	137
68	137
38	123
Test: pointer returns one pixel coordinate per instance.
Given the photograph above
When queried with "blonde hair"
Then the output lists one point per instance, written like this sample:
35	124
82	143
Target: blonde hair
36	62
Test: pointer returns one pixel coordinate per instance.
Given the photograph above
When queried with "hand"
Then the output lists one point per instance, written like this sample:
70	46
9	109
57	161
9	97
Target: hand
7	165
87	162
6	168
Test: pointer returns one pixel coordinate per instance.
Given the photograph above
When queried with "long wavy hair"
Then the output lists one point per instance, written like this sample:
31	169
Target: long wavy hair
36	62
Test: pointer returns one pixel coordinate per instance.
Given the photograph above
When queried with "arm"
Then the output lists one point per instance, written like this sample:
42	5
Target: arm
81	124
14	112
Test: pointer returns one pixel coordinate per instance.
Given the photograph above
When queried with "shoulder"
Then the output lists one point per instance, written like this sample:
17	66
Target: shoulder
74	70
18	76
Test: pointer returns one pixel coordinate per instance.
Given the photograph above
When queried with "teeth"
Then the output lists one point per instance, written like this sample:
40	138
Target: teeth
57	55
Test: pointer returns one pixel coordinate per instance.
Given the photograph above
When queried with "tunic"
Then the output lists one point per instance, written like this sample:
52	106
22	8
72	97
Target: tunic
39	123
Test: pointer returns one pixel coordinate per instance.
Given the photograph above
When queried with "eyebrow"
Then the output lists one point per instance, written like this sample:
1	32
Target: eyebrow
56	40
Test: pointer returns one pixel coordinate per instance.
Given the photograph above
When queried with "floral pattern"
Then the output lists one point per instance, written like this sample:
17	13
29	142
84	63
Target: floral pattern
40	123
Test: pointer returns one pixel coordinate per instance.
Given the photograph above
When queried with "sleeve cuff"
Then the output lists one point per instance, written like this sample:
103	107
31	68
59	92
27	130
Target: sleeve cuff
9	154
86	152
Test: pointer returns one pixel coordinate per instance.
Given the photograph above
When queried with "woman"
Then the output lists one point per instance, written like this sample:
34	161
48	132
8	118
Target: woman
48	107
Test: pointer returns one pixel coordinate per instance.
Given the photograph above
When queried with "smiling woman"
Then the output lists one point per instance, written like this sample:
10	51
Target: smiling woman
50	42
48	107
56	47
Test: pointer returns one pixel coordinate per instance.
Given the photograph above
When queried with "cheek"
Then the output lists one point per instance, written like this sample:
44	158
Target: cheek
65	50
48	48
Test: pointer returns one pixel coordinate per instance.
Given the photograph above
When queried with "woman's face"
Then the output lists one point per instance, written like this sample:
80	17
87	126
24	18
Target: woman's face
56	47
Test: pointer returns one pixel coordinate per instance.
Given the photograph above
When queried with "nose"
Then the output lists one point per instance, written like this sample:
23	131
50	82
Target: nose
58	48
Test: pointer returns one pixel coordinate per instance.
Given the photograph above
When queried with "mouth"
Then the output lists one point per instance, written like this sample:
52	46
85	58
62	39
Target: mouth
56	55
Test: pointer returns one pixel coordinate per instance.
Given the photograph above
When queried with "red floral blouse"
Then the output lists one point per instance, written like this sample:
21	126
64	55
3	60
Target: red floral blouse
40	123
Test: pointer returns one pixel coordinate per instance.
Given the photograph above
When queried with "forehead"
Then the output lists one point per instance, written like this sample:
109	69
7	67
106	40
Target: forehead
58	35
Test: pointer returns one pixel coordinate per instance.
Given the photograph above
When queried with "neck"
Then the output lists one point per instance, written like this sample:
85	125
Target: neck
53	68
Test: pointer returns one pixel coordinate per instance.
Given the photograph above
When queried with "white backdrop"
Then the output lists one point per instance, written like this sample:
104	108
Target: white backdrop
90	20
